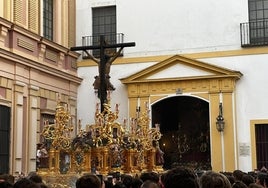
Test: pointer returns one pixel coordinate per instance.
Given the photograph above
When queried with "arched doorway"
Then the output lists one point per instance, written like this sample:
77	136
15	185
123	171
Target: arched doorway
184	124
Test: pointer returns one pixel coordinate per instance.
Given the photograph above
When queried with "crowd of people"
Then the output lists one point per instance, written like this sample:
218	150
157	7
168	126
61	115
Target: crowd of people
178	177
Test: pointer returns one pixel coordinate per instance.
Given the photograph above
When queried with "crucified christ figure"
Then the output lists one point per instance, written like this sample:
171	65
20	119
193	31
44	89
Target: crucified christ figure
109	59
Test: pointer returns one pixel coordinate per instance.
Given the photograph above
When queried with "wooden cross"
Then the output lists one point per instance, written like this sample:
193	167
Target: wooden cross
104	64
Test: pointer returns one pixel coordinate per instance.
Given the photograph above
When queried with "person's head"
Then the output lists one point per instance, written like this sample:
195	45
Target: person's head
149	184
119	184
213	179
127	180
152	176
254	185
239	184
136	183
108	184
248	179
8	177
5	184
238	174
25	183
42	185
230	178
35	178
262	178
180	178
88	180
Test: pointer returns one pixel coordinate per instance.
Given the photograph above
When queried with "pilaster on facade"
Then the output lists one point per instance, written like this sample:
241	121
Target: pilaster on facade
33	125
3	35
19	129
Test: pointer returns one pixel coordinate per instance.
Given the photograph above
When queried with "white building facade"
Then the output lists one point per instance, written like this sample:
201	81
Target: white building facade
182	41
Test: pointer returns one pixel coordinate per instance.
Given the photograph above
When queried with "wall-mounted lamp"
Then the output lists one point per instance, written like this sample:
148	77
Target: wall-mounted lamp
220	120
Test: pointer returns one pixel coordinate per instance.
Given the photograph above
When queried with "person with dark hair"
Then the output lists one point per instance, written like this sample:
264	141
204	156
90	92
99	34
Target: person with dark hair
36	178
42	185
238	174
88	180
180	178
25	183
119	184
136	183
149	184
239	184
230	178
254	185
8	178
5	184
127	180
211	179
248	179
108	184
262	178
152	176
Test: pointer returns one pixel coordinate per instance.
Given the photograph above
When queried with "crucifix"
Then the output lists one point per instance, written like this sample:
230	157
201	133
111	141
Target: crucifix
102	81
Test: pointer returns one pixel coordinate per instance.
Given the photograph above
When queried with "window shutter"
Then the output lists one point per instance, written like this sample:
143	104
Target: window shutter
20	12
33	16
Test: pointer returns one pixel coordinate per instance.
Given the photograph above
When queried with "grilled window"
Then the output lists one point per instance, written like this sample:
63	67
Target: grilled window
261	132
104	23
48	19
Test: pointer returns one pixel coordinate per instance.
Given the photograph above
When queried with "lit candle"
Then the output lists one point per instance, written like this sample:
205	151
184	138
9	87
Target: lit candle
157	126
97	107
125	122
139	102
146	105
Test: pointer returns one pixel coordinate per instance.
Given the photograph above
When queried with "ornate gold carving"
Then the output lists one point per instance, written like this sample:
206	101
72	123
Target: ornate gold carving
107	146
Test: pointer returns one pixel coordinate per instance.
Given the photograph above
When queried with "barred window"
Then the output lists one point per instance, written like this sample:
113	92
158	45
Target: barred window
104	23
261	132
48	19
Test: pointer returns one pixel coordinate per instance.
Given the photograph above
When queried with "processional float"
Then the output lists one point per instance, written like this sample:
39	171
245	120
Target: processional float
105	147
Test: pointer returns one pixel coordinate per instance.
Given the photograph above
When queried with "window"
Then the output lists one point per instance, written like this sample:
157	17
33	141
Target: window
261	132
48	19
4	138
104	23
258	10
258	21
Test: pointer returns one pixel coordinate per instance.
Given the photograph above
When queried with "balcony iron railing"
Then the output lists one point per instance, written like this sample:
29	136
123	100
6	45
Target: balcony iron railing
110	38
254	33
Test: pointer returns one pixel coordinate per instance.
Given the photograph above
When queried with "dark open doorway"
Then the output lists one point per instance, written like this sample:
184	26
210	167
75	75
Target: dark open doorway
4	138
184	124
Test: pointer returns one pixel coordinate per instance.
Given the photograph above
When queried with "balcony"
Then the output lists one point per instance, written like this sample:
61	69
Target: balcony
254	33
110	38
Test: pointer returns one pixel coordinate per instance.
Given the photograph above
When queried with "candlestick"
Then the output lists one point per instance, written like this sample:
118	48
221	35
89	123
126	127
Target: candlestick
116	107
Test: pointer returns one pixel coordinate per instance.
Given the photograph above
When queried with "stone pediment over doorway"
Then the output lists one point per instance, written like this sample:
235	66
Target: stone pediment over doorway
178	68
179	78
